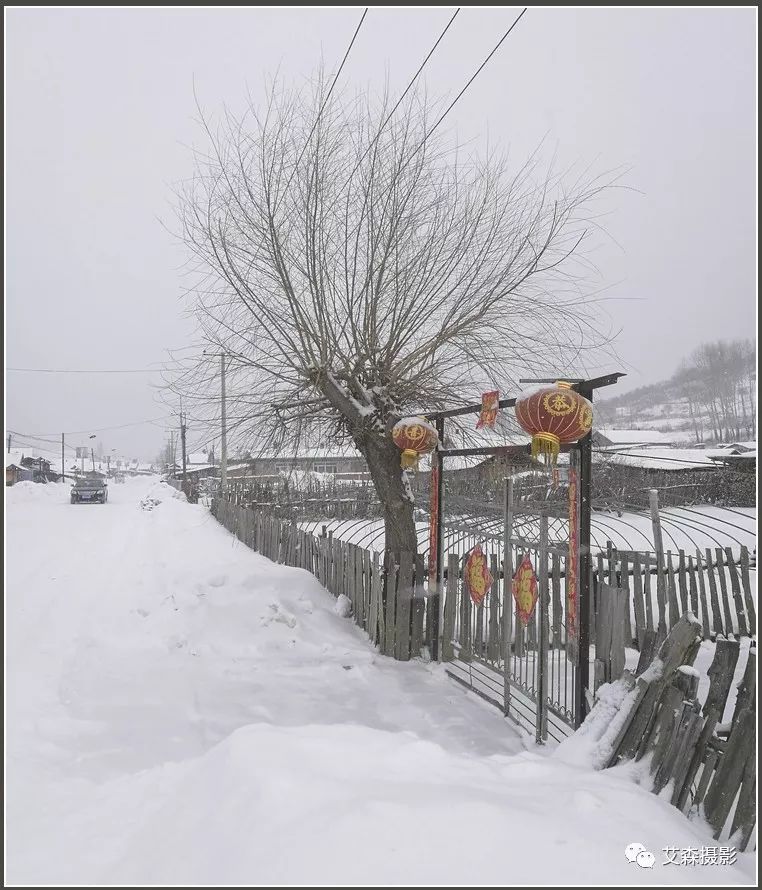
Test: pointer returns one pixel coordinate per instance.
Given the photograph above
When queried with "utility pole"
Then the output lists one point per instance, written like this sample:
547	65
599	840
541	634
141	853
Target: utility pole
224	440
9	443
223	419
63	459
182	441
92	457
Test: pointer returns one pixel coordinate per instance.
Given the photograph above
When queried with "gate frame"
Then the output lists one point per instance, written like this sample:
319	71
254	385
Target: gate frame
585	388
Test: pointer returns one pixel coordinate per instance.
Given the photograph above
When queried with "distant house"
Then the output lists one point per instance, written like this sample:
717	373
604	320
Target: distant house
15	471
744	461
340	461
41	469
611	438
656	459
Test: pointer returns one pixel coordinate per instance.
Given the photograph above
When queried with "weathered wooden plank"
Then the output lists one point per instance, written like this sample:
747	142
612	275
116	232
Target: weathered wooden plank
681	801
682	582
650	623
679	648
688	735
367	574
618	640
745	815
372	624
450	603
747	687
728	777
624	584
693	601
720	675
703	605
404	606
665	729
726	610
751	610
418	609
647	651
735	586
637	602
604	631
359	580
713	596
674	606
707	774
390	604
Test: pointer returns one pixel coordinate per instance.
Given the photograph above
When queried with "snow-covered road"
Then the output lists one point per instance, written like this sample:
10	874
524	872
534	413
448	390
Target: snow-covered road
181	710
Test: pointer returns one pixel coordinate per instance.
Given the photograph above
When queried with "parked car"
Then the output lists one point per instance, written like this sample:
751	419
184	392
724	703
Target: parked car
89	491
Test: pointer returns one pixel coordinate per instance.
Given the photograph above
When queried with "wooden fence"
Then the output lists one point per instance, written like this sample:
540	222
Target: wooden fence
714	585
705	765
388	598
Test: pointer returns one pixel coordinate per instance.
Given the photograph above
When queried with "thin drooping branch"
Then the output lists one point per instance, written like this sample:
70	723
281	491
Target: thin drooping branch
356	267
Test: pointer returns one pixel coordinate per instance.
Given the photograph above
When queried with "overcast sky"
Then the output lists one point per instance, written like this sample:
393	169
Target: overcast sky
100	111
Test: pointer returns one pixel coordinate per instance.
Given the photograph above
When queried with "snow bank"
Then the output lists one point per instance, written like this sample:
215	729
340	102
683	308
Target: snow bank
37	492
182	711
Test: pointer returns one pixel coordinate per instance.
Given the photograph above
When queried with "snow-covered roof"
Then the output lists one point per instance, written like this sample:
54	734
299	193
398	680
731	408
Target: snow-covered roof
635	437
654	458
313	452
13	458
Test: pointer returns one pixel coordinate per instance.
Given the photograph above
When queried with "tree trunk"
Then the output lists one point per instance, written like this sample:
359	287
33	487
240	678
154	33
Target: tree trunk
383	458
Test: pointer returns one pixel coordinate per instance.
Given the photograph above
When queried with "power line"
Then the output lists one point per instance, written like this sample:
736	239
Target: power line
325	101
102	429
407	89
86	370
471	80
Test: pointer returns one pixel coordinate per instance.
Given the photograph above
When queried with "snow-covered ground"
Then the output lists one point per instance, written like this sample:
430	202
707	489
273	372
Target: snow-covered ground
181	710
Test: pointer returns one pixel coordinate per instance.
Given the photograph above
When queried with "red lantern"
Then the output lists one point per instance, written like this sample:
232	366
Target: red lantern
414	436
554	416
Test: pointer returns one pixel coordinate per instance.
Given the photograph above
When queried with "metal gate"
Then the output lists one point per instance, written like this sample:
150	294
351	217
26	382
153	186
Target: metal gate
537	673
529	670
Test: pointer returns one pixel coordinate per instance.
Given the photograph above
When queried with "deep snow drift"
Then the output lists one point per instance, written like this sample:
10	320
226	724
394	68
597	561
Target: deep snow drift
179	709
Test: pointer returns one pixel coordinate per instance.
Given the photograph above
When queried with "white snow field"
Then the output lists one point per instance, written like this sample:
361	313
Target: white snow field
181	710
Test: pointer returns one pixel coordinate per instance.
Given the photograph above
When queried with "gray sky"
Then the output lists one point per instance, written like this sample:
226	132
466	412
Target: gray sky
100	111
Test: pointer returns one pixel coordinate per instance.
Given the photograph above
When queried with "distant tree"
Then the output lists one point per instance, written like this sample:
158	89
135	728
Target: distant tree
358	267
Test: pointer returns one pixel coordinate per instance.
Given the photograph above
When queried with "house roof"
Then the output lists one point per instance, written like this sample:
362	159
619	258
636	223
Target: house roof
13	458
654	458
635	437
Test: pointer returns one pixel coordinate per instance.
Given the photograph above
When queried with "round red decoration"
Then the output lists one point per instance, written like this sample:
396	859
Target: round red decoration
414	436
554	416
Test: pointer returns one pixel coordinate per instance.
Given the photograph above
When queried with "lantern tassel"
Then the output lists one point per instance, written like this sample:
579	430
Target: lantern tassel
409	459
548	445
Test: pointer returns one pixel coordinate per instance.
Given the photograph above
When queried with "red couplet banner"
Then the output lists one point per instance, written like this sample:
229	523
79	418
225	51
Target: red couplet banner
572	564
433	525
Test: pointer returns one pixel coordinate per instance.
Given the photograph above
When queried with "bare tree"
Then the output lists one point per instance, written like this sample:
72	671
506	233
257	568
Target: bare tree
358	267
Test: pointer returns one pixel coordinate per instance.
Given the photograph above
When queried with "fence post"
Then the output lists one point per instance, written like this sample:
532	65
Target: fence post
541	732
507	592
661	591
584	454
